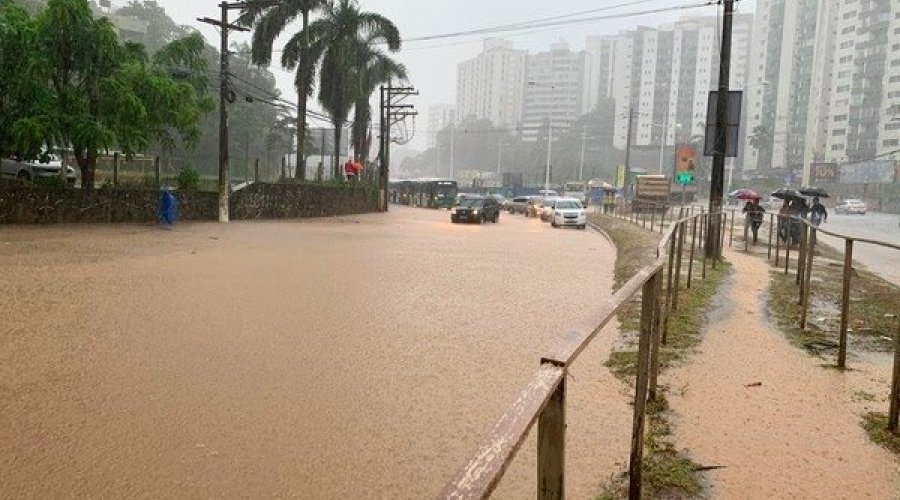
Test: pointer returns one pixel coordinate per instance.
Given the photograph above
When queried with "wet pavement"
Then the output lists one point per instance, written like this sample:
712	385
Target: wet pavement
875	226
358	357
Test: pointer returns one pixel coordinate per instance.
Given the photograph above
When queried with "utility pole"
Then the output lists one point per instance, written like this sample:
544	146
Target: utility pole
583	142
226	96
392	111
716	188
662	141
628	147
549	153
452	158
499	155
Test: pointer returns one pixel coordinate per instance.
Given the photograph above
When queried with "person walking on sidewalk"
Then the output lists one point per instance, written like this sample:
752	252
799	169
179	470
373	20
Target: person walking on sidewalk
817	214
755	214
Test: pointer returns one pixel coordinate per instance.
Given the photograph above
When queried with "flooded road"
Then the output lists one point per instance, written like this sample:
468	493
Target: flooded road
359	357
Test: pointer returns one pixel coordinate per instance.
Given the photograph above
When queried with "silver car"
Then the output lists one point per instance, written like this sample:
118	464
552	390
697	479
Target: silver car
27	171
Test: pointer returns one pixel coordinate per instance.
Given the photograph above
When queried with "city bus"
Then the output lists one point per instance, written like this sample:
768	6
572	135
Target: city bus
429	193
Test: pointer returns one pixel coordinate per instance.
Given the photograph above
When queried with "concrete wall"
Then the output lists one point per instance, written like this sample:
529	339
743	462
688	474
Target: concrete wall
36	205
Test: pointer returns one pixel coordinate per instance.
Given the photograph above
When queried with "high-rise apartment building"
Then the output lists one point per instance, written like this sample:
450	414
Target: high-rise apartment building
491	85
665	74
439	117
863	114
554	89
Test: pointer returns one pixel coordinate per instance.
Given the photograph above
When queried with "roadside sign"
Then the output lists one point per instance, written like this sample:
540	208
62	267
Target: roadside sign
732	125
685	178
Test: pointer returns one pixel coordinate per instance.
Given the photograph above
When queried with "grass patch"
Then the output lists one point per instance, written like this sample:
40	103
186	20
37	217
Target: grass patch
875	425
874	303
666	472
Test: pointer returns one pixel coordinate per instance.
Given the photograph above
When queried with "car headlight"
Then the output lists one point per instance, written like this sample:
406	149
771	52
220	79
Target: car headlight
453	210
474	212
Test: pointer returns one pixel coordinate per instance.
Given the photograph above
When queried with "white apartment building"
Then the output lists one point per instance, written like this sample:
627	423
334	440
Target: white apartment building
491	85
439	117
665	75
787	37
555	88
863	114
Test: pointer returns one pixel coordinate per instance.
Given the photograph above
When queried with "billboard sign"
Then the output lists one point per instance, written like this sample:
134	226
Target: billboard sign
620	177
825	172
868	172
732	123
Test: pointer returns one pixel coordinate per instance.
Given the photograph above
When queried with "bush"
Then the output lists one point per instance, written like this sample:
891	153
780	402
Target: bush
188	179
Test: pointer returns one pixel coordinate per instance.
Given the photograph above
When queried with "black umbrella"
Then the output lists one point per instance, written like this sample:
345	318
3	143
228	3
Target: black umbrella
787	194
814	191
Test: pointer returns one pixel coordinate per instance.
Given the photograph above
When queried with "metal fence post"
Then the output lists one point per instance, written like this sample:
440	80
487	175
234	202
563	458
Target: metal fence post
656	338
704	227
801	255
115	179
678	254
551	441
158	172
787	249
731	231
845	303
778	242
690	274
807	277
771	230
640	390
669	278
653	221
894	411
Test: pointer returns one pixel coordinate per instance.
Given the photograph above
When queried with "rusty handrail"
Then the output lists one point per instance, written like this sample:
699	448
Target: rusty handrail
543	397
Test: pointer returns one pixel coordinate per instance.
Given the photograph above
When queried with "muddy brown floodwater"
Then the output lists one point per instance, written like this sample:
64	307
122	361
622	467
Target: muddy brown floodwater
358	357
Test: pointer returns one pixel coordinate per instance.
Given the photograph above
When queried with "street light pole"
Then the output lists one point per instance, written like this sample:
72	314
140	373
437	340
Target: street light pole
662	142
549	153
499	154
581	167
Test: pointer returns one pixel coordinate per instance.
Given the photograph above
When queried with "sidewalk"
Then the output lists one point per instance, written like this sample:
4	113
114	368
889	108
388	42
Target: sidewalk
797	435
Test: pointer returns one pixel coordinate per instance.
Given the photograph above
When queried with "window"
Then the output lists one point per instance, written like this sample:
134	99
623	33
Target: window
846	59
850	14
837	147
848	29
895	79
847	44
840	118
843	88
839	132
891	142
892	126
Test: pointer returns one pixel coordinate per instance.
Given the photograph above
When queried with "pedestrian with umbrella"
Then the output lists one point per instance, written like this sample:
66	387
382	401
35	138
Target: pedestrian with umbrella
817	213
753	210
785	225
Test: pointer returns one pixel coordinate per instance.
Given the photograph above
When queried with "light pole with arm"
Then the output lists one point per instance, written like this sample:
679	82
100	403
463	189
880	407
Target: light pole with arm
549	142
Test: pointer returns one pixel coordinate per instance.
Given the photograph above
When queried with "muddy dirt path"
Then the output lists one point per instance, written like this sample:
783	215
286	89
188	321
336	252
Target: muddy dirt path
358	357
797	435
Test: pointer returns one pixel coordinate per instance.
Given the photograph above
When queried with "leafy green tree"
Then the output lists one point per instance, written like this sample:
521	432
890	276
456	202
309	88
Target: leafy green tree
337	36
25	101
271	21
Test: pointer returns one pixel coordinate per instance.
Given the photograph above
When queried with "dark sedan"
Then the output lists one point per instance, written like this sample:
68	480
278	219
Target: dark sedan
476	209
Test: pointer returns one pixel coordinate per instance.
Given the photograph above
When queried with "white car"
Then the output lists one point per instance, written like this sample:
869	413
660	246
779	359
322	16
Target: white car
547	208
568	212
851	207
26	171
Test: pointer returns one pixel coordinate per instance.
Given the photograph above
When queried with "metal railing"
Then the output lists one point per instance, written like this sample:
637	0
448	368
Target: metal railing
805	235
543	399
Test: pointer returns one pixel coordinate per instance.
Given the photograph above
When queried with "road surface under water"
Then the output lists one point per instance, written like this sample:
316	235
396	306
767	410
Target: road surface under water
880	227
358	357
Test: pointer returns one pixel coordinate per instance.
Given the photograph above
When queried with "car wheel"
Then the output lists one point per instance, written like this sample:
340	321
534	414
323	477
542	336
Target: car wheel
582	227
554	224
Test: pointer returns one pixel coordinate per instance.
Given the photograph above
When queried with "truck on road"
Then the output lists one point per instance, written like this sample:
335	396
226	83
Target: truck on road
651	194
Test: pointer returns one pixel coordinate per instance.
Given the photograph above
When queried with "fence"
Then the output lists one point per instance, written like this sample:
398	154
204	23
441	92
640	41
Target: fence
782	229
543	399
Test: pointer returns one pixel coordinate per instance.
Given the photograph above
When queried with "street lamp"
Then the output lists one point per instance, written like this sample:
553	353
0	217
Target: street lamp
549	142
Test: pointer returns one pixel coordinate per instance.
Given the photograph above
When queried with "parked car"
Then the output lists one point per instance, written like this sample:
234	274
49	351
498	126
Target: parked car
26	171
547	209
548	193
517	205
478	209
501	200
851	207
568	212
533	206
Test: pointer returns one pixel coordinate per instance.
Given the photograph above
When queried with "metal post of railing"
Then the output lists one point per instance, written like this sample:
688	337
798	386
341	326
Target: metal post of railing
690	273
807	277
747	233
731	231
787	247
655	339
894	410
704	225
678	254
771	230
662	223
845	303
778	241
801	255
551	441
669	277
653	221
640	391
722	233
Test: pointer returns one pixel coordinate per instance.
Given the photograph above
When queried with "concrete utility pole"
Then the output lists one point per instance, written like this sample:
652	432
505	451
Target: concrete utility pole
583	142
499	154
628	147
226	96
452	158
662	141
549	153
716	188
392	111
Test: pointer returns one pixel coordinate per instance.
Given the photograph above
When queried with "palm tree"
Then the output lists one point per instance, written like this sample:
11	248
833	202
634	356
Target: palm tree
374	69
271	20
339	36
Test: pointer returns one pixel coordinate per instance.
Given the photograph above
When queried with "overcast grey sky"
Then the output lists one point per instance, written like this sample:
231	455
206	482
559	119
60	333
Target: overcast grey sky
432	64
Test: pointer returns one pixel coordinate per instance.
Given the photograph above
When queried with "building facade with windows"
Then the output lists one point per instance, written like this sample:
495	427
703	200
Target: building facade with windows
490	86
439	117
555	87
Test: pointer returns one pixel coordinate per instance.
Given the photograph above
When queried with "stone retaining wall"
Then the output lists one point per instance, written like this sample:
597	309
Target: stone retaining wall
37	205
